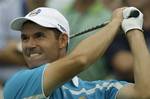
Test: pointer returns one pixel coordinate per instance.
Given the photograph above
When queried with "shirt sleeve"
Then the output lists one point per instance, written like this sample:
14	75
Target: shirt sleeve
113	87
26	84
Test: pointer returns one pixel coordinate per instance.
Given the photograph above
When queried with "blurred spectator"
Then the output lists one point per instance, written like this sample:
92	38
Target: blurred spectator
59	5
147	26
119	60
113	4
84	14
138	4
11	55
9	39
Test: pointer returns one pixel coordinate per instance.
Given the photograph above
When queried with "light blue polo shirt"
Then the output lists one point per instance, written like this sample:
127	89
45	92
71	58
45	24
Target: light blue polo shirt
28	84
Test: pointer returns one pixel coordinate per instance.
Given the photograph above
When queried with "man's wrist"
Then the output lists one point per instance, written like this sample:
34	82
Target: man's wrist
134	32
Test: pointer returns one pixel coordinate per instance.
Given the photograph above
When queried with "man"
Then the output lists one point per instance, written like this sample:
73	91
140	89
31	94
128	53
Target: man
44	34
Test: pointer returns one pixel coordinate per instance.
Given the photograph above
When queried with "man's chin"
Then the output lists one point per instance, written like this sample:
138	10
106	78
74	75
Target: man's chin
36	64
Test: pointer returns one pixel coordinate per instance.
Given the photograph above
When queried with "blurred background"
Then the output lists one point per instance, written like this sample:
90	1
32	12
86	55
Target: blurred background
116	63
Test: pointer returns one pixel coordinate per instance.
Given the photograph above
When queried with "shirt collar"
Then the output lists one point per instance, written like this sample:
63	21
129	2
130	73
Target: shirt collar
75	81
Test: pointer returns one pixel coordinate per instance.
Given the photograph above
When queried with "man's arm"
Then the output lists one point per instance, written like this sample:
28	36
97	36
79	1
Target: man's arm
141	88
82	56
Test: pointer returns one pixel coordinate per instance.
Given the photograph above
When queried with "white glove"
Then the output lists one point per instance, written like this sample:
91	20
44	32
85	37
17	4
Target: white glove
132	22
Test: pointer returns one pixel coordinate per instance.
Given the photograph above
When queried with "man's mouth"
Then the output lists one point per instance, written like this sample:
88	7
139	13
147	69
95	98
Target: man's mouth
34	55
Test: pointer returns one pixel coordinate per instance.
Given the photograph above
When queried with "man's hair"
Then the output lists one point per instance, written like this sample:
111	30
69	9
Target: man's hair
57	33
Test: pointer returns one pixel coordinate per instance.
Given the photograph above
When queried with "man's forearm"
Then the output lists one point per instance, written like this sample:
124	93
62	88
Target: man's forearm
94	46
141	61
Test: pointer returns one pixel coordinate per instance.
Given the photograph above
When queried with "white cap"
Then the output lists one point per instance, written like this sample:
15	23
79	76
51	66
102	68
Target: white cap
45	17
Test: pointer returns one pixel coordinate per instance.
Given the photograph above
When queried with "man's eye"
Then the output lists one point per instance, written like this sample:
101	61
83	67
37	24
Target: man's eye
39	35
23	37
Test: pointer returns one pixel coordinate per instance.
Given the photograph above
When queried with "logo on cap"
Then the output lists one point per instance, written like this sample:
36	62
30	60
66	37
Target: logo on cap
62	28
35	12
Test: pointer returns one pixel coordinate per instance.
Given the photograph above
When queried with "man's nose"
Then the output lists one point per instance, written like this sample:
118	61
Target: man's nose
31	43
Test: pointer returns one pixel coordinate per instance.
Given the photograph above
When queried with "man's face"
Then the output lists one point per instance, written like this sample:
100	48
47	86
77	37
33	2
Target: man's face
39	45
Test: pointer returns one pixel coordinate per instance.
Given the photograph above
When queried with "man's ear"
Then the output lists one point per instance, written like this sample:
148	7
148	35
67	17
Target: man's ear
63	40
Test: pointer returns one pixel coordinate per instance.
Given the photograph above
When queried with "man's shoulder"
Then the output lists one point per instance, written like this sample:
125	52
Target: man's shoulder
26	82
25	73
17	74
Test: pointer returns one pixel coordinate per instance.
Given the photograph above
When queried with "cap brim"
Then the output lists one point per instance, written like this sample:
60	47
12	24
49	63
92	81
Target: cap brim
18	23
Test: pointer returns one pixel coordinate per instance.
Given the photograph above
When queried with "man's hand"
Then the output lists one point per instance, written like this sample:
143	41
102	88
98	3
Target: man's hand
118	15
130	23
